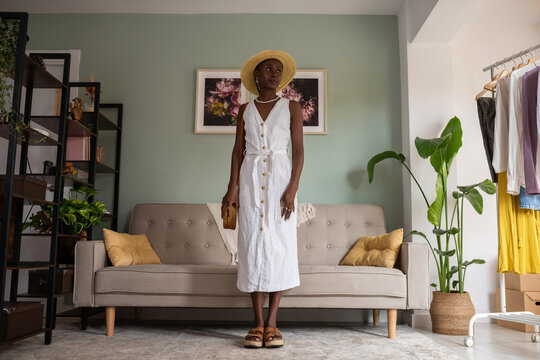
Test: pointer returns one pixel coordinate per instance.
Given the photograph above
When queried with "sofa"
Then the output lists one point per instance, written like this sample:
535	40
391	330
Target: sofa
196	268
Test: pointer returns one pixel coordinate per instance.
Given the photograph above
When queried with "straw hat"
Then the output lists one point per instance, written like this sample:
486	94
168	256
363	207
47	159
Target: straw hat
247	72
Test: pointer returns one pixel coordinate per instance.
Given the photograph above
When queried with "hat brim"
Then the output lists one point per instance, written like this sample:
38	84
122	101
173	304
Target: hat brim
248	78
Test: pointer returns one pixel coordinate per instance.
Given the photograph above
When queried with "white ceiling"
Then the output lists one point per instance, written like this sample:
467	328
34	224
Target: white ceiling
367	7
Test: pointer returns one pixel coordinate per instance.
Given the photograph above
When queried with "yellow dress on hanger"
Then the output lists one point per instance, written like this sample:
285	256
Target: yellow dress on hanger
519	229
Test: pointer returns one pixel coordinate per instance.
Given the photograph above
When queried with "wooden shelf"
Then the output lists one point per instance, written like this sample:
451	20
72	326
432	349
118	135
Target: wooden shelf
34	137
73	129
38	77
25	336
30	265
100	167
49	234
33	199
103	122
43	296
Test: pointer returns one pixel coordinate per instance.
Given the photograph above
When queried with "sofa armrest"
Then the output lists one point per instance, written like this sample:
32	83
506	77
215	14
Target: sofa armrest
90	256
415	265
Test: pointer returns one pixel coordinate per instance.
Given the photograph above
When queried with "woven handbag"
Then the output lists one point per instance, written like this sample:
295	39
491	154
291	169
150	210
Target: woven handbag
229	219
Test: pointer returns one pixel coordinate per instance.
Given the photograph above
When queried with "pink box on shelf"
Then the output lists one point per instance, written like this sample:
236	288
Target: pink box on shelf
78	149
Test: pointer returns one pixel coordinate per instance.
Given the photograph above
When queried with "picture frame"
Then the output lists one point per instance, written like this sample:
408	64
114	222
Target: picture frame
308	87
219	94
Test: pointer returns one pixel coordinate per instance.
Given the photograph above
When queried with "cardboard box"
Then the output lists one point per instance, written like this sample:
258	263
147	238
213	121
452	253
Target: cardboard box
528	282
519	301
20	318
38	281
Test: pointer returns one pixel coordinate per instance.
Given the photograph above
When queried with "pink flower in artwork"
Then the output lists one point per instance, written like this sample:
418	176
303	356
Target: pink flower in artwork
226	87
309	107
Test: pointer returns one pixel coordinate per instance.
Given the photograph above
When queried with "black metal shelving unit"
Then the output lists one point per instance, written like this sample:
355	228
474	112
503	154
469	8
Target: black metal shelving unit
30	75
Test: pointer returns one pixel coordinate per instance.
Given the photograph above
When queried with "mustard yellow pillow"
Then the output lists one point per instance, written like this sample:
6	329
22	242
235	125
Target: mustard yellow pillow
379	250
125	249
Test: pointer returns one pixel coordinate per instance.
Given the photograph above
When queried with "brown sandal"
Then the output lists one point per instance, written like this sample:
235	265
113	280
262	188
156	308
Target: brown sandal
256	332
275	334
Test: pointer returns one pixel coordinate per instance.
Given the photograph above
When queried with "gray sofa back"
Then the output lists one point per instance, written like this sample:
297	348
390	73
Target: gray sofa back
188	234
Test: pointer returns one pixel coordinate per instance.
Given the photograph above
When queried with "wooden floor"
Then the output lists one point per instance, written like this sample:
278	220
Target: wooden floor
490	342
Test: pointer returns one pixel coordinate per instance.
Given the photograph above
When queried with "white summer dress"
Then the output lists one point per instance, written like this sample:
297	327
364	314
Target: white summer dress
267	244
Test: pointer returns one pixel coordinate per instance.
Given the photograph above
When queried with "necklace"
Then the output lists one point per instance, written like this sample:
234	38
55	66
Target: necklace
266	102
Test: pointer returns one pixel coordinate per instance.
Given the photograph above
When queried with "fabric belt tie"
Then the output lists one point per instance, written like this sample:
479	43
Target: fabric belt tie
272	179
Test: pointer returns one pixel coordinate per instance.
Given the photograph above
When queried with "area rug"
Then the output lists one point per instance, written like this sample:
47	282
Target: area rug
165	341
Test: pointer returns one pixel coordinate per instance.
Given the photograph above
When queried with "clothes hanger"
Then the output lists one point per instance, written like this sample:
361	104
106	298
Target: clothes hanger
490	86
531	59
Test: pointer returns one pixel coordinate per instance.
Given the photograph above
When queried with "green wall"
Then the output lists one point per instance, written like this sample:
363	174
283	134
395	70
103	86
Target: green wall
149	63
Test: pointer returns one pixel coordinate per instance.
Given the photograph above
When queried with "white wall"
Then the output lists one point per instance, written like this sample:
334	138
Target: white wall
439	80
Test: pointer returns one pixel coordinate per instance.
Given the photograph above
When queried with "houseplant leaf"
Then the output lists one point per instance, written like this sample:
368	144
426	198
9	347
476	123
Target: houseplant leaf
426	147
476	200
435	209
380	157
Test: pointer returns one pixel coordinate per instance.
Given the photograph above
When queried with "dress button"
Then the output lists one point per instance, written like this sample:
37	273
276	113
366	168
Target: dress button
262	124
263	187
264	173
264	147
262	201
186	245
261	228
262	215
262	135
265	160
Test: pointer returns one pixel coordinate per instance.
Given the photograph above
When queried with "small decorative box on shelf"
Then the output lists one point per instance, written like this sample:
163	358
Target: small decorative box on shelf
20	318
26	186
38	281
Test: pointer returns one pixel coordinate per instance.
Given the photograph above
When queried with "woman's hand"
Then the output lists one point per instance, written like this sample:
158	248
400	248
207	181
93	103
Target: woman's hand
231	197
287	201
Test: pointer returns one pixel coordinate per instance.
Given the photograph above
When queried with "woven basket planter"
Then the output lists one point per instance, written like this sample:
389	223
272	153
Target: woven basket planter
451	313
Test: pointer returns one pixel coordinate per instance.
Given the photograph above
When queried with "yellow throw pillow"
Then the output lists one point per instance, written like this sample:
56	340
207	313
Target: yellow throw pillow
125	249
379	250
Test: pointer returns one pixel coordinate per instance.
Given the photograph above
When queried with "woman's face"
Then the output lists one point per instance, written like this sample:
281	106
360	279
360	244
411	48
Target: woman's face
269	73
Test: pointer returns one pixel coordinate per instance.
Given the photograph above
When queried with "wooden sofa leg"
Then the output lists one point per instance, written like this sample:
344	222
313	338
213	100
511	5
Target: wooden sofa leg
376	317
392	321
110	313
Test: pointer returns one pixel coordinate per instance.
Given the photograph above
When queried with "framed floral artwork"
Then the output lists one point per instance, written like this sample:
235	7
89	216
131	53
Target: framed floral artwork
218	99
308	87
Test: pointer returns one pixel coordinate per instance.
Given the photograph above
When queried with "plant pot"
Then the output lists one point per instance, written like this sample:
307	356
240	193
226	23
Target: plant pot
451	313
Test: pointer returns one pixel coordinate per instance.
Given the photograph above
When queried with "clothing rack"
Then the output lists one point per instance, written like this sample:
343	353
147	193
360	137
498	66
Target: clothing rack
522	317
510	58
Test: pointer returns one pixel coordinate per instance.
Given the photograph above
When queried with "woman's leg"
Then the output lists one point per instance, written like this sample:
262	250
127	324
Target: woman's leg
273	308
257	299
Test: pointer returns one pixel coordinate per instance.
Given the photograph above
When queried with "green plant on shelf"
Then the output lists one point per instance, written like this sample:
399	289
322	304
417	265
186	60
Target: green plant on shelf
77	214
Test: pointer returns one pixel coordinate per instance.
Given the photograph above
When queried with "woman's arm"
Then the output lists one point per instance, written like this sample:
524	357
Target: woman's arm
236	161
297	141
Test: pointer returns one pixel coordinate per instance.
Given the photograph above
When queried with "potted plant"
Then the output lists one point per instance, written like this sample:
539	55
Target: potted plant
76	215
451	308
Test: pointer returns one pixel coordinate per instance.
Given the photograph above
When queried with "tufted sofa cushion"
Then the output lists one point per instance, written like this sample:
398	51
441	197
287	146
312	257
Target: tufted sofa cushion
316	280
188	234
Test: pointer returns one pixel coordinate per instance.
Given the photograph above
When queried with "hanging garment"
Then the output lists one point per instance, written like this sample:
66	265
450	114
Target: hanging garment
267	244
515	172
530	131
500	138
486	116
519	230
527	201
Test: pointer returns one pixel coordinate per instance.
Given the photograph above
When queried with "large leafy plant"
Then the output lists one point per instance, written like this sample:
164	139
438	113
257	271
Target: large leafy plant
75	213
447	224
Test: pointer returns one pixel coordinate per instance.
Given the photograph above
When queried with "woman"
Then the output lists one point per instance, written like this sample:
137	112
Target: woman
263	186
